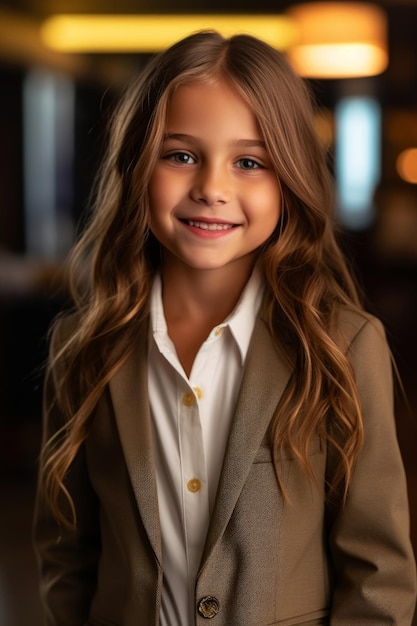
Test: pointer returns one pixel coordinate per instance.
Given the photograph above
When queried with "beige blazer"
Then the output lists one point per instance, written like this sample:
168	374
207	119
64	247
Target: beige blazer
266	561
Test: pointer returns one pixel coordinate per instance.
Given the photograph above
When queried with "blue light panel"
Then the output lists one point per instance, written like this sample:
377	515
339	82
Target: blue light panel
358	157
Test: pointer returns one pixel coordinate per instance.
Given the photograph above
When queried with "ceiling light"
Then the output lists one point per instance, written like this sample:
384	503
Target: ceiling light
339	40
152	33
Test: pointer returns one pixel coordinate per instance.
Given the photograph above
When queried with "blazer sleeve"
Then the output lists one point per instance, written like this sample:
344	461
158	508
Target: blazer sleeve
67	559
374	566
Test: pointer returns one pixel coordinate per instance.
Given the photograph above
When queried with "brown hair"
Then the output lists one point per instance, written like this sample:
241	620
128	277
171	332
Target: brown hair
306	274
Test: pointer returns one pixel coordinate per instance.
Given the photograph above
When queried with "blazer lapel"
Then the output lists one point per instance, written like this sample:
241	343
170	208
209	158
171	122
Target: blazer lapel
129	392
265	378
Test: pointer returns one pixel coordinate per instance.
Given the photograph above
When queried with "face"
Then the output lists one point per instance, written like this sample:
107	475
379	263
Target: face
214	197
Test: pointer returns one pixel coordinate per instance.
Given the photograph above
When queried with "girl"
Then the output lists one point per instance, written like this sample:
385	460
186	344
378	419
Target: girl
219	436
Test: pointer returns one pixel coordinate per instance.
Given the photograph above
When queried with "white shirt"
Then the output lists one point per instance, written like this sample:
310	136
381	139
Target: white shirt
191	420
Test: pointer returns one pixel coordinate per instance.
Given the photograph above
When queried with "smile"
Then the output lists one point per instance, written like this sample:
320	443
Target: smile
209	226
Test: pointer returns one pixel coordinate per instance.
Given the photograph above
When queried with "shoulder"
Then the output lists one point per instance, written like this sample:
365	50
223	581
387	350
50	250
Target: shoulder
354	327
362	338
70	334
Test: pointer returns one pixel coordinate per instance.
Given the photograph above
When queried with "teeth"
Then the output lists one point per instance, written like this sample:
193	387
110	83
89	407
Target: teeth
206	226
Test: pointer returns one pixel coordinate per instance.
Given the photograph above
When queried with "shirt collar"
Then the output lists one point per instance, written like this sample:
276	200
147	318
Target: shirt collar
242	319
158	322
240	322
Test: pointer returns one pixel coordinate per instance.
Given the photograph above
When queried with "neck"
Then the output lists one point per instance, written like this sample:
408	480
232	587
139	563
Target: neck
195	301
202	295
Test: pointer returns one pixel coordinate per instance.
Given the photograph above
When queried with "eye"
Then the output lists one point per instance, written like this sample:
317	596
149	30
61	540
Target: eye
248	164
182	158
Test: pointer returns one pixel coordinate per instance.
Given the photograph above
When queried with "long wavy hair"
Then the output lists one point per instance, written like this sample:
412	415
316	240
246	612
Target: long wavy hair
307	279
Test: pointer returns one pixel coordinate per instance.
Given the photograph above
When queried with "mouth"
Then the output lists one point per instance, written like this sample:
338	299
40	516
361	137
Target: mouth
219	226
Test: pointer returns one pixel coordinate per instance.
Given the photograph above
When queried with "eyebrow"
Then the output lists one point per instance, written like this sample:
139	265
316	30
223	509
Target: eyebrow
240	143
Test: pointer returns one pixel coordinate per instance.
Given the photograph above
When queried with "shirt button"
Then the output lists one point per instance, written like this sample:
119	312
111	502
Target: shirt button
188	399
194	485
219	331
198	392
208	607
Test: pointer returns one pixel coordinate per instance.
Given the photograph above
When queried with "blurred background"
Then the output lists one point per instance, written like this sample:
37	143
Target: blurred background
59	79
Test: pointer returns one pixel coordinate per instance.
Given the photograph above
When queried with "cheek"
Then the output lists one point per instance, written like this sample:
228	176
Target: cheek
165	192
266	207
159	205
276	203
155	192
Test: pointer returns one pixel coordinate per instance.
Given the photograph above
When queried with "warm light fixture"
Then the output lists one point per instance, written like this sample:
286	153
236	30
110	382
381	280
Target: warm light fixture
20	42
151	33
407	165
339	39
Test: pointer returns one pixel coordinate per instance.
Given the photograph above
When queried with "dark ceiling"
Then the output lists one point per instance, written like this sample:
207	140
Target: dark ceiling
42	7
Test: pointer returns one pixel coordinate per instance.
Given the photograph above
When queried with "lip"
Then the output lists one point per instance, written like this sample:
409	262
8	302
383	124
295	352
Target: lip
208	228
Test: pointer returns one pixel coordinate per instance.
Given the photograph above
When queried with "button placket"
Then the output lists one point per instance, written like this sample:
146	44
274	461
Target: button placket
194	479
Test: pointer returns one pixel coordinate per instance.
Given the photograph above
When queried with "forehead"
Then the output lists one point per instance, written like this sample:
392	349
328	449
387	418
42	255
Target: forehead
212	106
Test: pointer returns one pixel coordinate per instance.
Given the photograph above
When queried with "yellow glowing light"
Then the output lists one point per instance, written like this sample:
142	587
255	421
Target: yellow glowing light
407	165
152	33
339	40
344	60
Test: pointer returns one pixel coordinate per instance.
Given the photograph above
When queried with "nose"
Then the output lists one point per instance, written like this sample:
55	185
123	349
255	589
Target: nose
212	185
